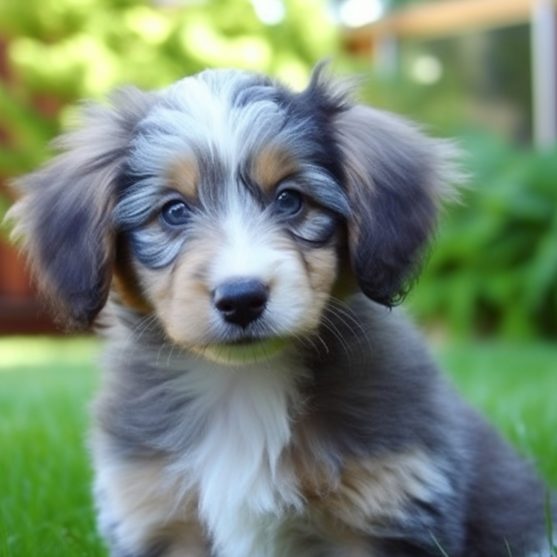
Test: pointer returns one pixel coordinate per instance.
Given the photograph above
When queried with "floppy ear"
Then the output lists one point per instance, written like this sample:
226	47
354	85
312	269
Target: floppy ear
396	179
64	217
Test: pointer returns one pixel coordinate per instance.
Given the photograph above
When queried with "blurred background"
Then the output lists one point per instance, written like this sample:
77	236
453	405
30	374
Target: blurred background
481	71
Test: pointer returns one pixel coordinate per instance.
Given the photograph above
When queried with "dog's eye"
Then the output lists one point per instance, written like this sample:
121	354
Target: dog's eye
175	213
289	202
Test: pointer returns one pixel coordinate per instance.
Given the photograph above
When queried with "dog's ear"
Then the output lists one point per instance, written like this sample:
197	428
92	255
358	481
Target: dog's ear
64	217
396	178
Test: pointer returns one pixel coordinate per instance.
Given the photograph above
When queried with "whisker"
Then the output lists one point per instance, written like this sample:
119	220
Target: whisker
349	319
341	308
142	326
134	335
308	342
330	325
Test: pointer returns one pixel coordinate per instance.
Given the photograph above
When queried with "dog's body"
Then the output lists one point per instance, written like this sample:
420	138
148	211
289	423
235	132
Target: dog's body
259	399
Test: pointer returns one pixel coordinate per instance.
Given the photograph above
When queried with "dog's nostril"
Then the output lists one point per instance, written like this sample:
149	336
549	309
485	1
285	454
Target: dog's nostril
241	301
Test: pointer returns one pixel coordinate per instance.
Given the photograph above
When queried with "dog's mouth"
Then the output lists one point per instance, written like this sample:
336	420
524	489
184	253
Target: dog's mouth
245	350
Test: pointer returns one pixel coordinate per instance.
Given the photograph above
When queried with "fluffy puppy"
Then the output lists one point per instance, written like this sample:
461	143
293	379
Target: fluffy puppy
245	244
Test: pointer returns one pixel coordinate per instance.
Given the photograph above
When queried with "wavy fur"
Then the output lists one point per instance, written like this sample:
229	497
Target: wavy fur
243	245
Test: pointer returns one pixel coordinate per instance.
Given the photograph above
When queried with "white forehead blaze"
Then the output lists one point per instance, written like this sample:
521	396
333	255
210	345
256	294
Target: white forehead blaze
250	247
198	114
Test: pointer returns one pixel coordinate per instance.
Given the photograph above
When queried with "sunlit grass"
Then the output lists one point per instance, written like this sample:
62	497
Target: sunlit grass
45	504
45	387
35	352
515	385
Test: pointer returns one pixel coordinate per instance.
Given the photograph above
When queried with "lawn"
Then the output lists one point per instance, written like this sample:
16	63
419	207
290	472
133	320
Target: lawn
45	386
45	506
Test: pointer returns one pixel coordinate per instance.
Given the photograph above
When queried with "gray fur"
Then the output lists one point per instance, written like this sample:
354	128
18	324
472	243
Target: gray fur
372	390
356	399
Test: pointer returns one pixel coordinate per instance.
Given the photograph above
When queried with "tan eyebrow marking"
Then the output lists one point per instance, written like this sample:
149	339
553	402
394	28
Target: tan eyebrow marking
183	176
271	165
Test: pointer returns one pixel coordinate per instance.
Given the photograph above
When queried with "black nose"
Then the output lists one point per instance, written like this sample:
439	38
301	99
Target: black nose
241	301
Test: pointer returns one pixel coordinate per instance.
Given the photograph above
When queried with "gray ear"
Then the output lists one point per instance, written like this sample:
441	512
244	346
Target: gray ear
396	179
64	218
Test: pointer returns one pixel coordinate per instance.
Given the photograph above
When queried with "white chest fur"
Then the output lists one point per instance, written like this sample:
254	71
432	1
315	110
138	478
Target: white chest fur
235	466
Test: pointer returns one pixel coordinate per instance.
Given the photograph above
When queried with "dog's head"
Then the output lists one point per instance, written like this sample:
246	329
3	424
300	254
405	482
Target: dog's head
231	208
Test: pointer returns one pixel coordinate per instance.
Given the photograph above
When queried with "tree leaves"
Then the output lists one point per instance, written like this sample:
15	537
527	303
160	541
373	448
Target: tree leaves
494	269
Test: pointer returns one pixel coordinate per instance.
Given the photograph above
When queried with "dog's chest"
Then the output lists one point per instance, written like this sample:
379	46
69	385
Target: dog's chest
237	467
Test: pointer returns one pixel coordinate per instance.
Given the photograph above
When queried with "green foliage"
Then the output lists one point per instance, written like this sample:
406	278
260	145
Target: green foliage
60	51
439	107
494	265
82	48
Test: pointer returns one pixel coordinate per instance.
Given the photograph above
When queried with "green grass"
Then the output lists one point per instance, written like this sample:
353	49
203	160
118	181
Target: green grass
46	384
45	505
515	385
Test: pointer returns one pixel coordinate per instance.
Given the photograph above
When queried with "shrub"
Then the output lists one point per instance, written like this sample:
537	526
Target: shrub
493	268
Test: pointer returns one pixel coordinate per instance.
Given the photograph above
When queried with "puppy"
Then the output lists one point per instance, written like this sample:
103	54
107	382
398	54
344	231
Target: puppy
242	245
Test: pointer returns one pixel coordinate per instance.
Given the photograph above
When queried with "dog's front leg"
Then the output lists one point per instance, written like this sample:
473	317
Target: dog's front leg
185	541
143	513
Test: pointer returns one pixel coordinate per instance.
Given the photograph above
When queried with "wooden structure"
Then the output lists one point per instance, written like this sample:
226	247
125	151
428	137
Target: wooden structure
441	19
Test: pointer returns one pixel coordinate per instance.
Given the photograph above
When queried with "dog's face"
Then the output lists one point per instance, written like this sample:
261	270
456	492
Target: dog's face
231	208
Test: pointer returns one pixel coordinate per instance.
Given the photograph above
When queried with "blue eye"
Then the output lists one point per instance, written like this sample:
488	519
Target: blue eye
289	202
175	213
